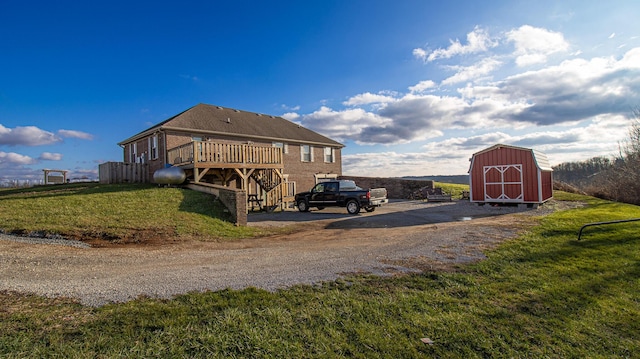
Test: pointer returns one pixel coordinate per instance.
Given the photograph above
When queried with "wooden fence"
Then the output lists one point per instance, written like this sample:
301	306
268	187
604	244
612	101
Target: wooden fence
120	172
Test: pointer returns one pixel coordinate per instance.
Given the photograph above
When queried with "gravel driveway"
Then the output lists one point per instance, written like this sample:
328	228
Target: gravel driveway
400	237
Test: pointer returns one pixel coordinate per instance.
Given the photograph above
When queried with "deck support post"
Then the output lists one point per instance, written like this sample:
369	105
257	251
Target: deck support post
198	174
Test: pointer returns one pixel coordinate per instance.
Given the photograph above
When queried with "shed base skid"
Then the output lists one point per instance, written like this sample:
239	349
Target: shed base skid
506	204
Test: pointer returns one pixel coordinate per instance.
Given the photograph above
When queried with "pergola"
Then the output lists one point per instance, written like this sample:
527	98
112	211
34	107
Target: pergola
59	176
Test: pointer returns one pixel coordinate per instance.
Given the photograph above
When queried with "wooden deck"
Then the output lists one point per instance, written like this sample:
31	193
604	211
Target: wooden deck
204	154
240	165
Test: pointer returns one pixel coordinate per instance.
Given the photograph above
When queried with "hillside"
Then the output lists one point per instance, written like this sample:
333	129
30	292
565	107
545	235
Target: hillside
457	179
117	213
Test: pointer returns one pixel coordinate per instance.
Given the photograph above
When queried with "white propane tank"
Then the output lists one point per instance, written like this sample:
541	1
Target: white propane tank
170	175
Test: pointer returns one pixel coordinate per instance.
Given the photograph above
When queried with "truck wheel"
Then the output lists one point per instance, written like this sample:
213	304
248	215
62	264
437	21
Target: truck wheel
370	209
303	206
353	207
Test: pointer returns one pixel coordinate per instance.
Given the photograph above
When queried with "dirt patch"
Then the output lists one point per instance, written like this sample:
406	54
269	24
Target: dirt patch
133	238
402	237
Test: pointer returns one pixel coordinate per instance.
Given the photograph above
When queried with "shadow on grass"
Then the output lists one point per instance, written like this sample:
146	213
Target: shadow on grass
204	204
557	283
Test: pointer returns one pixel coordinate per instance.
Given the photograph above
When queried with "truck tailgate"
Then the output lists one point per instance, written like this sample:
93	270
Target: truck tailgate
378	193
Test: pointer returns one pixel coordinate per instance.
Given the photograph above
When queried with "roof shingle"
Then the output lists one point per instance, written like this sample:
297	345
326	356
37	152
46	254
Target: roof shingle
221	120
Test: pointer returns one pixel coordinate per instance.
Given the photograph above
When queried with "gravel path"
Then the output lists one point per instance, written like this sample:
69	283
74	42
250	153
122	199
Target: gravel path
403	236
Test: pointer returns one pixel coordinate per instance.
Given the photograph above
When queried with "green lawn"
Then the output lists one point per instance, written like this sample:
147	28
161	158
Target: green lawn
454	189
117	211
543	295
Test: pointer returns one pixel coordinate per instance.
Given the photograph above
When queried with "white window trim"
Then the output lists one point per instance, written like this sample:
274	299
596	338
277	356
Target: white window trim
333	155
302	153
134	153
153	147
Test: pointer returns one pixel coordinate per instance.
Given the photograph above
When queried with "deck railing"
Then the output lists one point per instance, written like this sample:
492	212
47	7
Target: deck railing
281	194
224	153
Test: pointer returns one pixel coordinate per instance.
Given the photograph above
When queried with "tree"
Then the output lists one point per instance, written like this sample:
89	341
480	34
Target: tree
617	179
622	181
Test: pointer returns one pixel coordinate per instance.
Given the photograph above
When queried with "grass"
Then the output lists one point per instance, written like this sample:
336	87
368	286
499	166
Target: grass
92	210
454	189
542	295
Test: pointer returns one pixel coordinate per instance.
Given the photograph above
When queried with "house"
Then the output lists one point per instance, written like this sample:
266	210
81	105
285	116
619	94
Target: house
267	156
510	174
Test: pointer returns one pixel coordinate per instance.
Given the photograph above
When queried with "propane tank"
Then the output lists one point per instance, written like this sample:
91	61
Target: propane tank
170	175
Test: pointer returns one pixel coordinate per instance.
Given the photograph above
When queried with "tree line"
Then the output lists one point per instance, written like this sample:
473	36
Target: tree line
616	178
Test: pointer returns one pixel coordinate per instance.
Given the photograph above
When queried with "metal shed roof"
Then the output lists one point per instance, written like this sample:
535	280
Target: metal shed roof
541	160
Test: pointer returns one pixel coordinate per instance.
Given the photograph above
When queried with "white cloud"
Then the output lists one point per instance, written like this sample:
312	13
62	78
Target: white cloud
368	98
394	164
290	108
468	73
420	54
631	59
15	159
48	156
26	136
570	110
422	86
477	41
75	134
342	125
576	89
291	116
569	94
534	45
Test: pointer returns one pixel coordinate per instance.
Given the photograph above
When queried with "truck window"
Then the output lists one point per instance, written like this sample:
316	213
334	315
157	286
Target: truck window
331	187
348	185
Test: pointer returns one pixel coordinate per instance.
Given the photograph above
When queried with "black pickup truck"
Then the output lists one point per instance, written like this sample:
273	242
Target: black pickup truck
341	193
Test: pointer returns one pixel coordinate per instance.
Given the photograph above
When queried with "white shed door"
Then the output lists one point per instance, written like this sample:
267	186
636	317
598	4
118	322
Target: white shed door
503	183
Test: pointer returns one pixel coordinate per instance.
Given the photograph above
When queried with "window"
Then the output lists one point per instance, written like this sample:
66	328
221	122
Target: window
306	153
284	146
153	147
329	155
133	152
331	187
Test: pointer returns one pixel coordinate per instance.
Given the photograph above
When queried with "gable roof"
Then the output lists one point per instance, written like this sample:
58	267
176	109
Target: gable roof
217	120
541	160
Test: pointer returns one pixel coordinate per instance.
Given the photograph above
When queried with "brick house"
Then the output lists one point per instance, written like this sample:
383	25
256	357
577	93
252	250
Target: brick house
267	156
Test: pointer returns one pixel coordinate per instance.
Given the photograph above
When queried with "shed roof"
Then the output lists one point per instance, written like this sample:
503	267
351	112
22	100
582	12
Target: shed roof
542	161
210	119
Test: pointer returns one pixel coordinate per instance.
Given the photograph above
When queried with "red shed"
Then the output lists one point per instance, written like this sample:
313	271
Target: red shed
510	174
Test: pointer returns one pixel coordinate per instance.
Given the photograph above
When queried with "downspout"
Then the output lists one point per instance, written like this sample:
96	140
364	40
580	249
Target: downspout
124	155
164	146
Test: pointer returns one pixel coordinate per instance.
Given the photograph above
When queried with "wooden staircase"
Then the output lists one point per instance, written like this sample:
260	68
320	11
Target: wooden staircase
269	181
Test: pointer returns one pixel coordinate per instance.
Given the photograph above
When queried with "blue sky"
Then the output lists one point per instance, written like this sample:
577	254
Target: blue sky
410	87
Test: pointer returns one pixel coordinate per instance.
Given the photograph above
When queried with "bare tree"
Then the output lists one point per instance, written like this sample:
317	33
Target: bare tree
633	144
617	179
631	170
622	181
